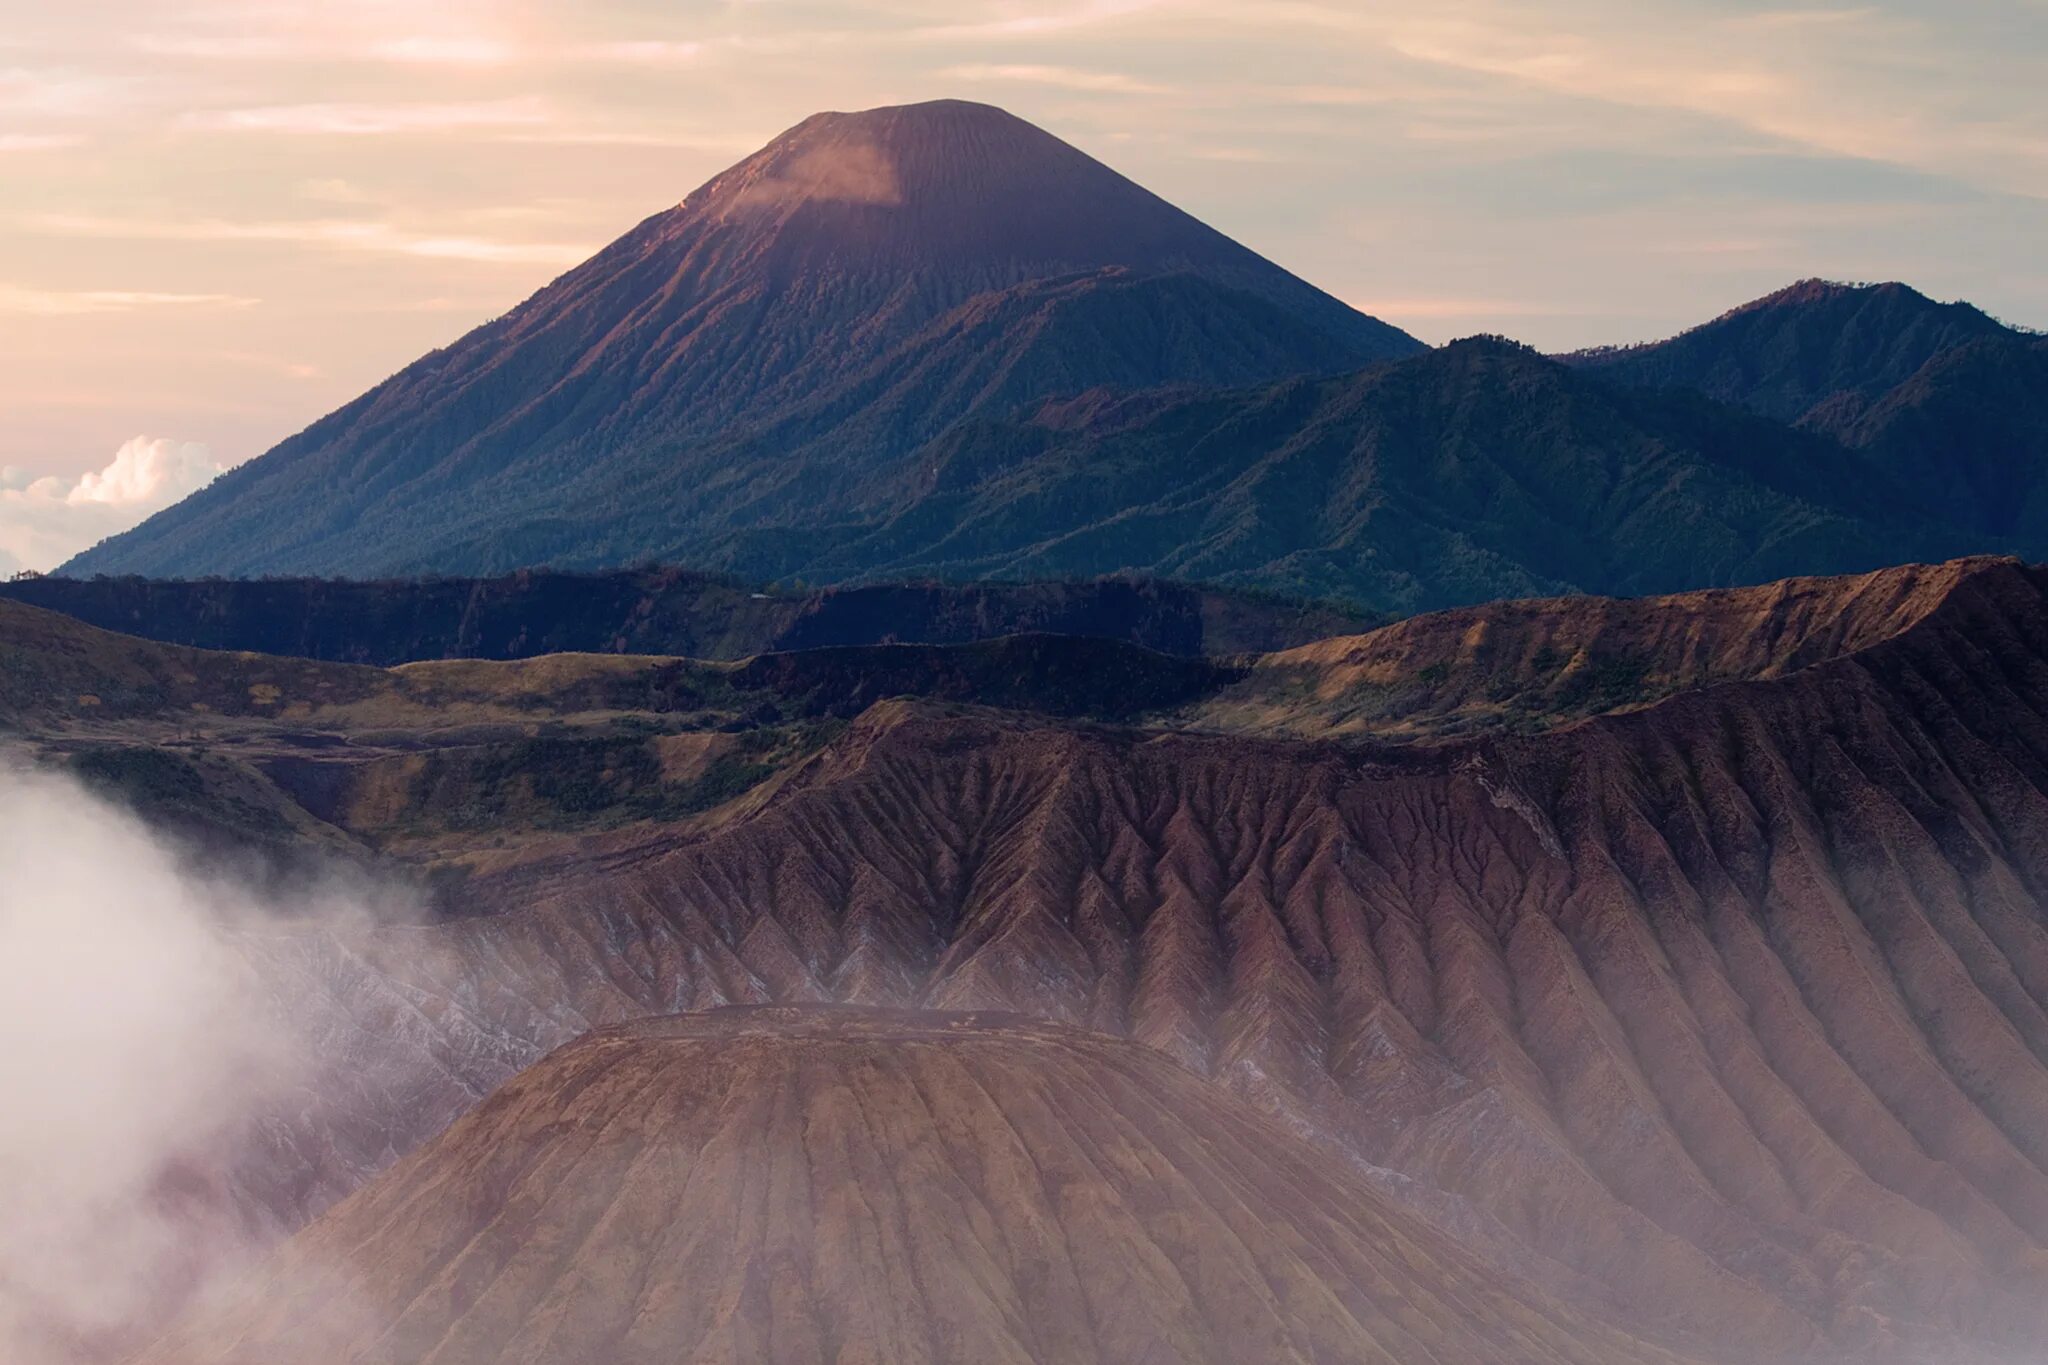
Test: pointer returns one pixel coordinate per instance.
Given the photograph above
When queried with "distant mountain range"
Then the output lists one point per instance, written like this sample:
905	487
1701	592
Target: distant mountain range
936	341
1478	471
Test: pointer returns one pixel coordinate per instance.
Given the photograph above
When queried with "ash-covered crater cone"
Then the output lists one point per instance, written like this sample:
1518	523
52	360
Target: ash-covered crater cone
810	1185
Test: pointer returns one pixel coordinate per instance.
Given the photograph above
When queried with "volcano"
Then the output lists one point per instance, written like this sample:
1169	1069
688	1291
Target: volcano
789	1186
768	353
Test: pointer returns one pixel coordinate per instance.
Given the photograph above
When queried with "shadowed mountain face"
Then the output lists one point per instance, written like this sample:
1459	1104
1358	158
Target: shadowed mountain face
1967	435
1940	403
1478	471
766	353
798	1187
1812	344
1703	980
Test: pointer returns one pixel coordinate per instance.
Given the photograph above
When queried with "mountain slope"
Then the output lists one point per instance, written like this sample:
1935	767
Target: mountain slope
1966	435
1478	471
869	260
799	1187
1813	343
1938	403
1537	664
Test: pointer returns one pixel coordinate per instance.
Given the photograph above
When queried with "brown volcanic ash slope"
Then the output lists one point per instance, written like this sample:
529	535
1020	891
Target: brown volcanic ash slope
1729	1014
791	1186
1535	664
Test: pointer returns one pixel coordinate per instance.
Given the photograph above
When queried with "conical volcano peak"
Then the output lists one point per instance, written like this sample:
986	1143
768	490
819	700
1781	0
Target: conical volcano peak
951	183
867	156
938	130
832	302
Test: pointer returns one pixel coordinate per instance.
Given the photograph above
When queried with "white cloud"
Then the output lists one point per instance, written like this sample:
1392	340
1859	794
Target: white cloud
46	520
147	1048
123	1080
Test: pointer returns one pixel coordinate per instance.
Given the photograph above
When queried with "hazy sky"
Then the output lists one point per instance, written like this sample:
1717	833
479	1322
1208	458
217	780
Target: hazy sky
219	220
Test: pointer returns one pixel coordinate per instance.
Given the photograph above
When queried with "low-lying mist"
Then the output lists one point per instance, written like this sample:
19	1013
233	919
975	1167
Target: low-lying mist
135	1044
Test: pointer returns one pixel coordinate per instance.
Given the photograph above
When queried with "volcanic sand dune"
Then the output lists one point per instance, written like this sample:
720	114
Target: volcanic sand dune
1725	1015
781	1186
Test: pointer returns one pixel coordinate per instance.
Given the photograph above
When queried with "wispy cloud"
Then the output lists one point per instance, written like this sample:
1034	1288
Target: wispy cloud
640	52
333	189
715	143
447	33
1243	156
1042	22
64	92
453	50
38	142
1845	82
76	302
331	233
1060	77
226	47
470	50
361	120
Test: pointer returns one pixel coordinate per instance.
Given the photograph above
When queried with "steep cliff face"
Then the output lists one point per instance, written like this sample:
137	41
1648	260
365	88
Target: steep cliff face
1724	1015
793	1187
